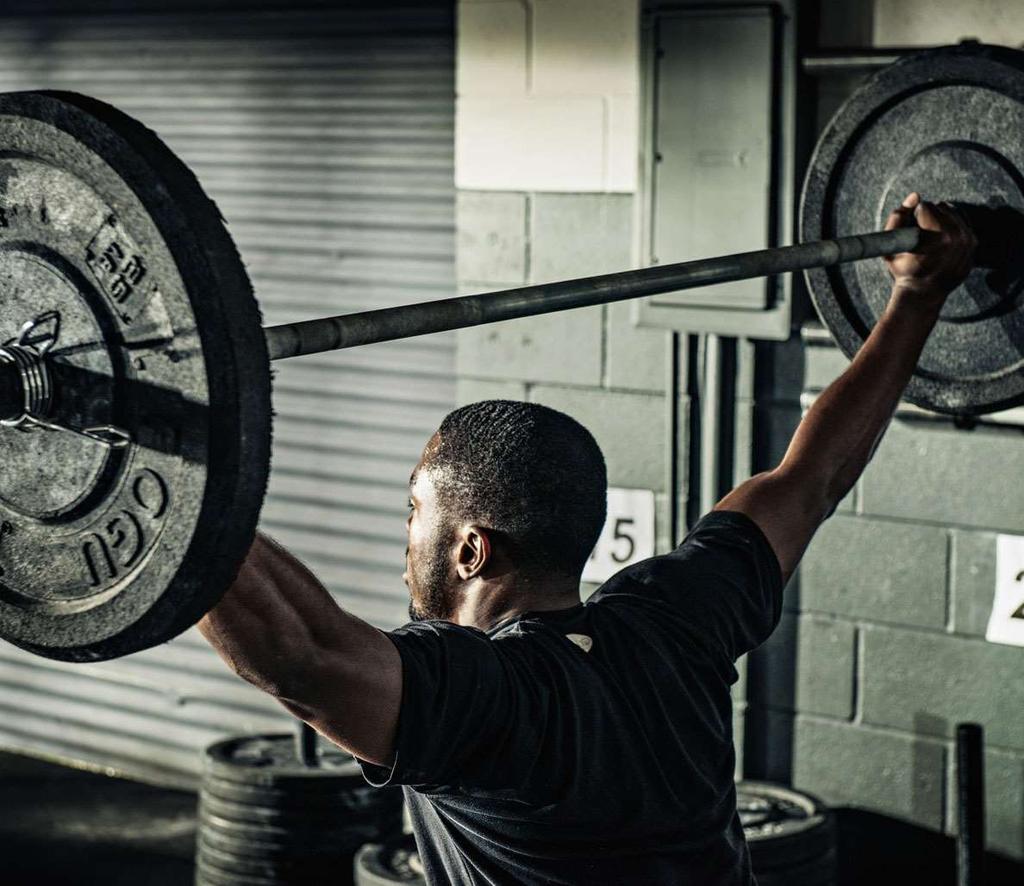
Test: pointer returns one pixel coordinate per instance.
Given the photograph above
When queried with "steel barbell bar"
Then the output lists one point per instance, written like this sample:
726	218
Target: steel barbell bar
389	324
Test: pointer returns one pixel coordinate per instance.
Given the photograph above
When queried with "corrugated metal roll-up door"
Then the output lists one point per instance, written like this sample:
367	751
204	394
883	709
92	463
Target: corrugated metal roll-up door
326	137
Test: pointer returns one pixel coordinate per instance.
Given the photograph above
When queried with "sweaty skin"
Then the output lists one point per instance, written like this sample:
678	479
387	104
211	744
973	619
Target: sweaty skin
278	627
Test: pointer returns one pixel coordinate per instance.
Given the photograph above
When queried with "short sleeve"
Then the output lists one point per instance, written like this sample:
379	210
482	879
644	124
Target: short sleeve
724	581
465	704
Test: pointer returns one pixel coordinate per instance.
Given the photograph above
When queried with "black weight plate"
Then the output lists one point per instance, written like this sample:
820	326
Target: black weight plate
384	815
271	761
315	834
293	809
783	826
312	867
945	123
105	552
209	874
352	803
313	848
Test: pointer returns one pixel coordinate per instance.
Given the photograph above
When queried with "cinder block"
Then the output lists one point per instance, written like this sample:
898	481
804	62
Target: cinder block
927	683
941	474
473	390
897	775
826	659
491	237
1004	802
630	429
935	22
823	365
637	356
579	235
807	665
537	143
973	580
877	570
622	161
563	348
491	56
585	46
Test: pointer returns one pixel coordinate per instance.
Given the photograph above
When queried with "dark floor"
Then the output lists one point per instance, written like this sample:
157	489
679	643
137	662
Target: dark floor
66	827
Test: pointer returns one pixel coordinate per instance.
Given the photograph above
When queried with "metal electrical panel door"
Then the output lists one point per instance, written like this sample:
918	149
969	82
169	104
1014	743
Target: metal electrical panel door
714	180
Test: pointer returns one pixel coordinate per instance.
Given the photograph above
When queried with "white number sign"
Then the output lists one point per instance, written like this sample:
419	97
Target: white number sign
1006	623
628	534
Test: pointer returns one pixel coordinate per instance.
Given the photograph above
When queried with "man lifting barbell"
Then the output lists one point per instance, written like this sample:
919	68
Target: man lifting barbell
544	740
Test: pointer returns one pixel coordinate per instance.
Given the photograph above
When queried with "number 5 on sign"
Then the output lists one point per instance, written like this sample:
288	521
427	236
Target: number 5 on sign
1006	624
628	534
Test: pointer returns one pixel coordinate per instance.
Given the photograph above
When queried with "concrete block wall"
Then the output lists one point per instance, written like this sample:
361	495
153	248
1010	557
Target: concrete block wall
547	155
883	651
546	168
882	648
548	95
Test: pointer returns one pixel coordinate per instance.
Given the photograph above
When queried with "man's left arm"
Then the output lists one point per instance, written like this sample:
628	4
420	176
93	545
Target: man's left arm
840	432
279	629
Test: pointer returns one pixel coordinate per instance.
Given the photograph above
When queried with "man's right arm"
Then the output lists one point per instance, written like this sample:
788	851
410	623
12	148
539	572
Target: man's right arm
840	432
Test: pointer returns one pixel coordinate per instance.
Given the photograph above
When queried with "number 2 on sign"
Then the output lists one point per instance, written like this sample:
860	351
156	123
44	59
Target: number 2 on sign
1019	611
1006	621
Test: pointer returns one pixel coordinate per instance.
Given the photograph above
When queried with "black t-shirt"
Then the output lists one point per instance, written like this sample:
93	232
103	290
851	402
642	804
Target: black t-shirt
590	745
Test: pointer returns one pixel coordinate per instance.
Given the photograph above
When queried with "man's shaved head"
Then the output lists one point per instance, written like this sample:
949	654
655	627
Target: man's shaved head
531	474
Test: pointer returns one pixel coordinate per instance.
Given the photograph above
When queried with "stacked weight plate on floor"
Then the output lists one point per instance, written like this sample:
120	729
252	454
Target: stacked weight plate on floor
791	835
265	818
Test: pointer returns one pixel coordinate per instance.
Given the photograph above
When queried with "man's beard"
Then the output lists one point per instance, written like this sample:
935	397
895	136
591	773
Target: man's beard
429	580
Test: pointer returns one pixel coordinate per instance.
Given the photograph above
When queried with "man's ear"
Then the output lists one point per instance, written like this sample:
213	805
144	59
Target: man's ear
474	552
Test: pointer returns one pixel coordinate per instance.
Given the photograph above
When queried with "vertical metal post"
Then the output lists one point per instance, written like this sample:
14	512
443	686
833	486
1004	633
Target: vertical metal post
305	745
970	795
710	416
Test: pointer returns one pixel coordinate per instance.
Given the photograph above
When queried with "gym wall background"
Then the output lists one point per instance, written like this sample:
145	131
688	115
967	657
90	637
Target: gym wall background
882	647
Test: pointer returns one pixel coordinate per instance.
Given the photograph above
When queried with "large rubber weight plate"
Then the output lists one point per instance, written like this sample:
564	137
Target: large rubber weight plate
946	123
107	551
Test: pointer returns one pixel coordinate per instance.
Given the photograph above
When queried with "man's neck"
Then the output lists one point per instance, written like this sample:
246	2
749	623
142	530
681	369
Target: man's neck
488	603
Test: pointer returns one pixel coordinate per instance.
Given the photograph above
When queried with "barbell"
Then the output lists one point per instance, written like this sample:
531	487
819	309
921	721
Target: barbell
135	414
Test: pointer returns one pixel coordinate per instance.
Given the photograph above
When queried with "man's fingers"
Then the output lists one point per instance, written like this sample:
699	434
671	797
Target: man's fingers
930	217
900	217
903	215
